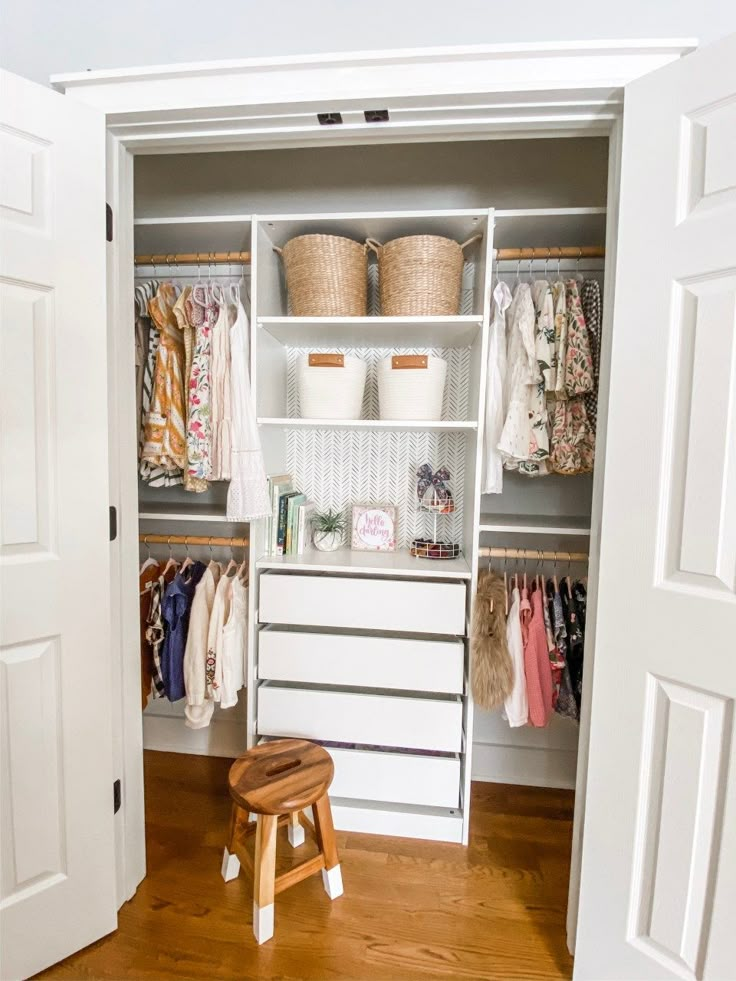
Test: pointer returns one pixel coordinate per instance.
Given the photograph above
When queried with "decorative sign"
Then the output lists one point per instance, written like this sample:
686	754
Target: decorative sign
374	528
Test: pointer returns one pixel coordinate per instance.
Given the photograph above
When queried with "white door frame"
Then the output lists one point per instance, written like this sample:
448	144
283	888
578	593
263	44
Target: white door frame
462	93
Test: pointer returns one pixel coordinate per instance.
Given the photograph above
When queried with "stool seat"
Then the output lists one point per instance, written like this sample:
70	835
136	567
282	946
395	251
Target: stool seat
281	776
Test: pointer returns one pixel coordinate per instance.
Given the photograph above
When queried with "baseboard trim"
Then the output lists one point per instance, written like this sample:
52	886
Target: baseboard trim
168	734
528	766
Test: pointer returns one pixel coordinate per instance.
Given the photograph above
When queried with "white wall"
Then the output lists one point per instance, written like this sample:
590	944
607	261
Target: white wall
40	37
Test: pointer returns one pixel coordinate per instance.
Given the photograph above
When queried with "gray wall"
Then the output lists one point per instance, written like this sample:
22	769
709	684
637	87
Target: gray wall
40	37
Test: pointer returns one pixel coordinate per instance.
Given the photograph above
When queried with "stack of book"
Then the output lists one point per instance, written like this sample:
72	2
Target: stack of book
288	529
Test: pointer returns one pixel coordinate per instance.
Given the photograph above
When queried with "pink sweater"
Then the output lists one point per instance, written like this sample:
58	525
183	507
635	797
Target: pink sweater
537	668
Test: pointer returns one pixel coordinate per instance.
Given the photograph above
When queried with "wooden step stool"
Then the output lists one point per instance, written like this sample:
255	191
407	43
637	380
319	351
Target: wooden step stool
277	781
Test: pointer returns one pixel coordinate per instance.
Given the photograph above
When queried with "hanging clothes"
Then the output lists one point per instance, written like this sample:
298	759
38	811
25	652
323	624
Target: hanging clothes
247	497
201	312
191	482
544	352
560	308
234	644
149	573
517	440
155	631
516	707
175	608
495	388
152	474
575	641
573	441
491	671
165	430
142	331
537	668
592	304
220	393
198	671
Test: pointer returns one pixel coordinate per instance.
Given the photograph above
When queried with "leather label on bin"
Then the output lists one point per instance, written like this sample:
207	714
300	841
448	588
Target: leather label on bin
409	361
326	360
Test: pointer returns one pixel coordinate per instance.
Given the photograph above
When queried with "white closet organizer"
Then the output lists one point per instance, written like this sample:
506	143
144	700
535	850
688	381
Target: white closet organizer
366	652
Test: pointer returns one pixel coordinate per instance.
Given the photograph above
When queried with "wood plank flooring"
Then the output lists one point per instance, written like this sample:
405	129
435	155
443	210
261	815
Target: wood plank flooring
495	910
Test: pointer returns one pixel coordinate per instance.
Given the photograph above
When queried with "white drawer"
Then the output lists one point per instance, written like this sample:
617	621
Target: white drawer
361	660
401	778
363	604
361	717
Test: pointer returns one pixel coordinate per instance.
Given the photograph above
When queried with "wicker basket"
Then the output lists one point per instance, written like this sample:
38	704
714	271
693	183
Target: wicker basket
331	386
411	387
326	275
420	275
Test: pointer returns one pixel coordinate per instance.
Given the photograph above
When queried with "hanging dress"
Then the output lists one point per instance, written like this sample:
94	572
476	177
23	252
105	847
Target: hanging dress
176	607
247	496
152	474
220	446
148	574
560	308
544	352
522	374
198	670
233	645
188	332
590	298
165	432
537	669
516	708
573	440
492	459
200	312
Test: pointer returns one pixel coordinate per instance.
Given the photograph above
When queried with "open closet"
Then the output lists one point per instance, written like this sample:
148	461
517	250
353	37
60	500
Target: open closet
369	652
532	147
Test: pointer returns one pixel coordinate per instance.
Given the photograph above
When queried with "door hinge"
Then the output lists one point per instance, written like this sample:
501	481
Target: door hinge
113	523
108	222
116	796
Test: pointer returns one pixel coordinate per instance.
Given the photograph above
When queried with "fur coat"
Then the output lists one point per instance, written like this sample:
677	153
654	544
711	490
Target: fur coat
491	670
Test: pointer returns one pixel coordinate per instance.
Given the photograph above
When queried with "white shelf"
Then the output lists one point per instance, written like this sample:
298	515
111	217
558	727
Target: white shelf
385	425
395	564
373	331
535	524
188	512
221	233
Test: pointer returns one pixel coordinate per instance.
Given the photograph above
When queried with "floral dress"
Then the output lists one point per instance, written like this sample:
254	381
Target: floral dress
201	311
573	439
544	351
191	482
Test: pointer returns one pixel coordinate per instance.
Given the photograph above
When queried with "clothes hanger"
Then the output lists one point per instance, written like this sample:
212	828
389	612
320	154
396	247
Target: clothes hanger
554	575
569	570
149	560
172	561
188	560
505	582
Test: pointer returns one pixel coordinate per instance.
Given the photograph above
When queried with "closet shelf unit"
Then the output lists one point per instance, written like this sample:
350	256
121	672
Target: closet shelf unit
404	766
535	524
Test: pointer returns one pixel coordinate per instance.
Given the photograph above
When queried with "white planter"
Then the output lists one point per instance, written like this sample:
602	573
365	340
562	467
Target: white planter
327	541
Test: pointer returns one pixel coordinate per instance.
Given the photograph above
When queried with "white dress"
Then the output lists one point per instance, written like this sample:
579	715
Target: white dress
199	708
544	347
516	706
522	373
220	395
233	645
492	460
247	496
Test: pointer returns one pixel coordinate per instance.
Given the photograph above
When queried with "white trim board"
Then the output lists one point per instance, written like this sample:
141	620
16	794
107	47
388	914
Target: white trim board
527	766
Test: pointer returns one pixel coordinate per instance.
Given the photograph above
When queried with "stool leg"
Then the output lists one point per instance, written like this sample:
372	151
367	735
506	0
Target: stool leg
265	875
331	874
230	861
295	830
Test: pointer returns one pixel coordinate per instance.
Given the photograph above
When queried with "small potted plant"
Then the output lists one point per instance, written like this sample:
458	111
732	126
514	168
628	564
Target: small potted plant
328	529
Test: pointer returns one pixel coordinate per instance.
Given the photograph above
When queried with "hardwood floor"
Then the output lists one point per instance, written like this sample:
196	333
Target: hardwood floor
495	910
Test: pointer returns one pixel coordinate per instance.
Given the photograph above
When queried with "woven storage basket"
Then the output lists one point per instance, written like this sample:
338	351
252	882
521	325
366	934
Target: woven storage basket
420	275
411	392
326	275
331	389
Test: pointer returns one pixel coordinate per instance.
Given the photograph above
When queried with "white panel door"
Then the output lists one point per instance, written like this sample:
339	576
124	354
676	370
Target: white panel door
57	884
658	891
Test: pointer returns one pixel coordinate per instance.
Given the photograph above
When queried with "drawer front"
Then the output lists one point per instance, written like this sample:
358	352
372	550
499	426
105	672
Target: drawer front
401	778
361	717
363	604
363	661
